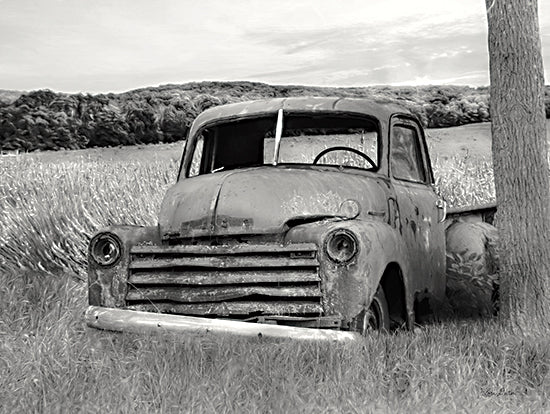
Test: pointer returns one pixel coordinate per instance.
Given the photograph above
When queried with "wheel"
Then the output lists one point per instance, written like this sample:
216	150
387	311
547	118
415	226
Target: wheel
376	318
355	151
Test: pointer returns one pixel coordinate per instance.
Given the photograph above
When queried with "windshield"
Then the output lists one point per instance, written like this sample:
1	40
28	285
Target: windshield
342	140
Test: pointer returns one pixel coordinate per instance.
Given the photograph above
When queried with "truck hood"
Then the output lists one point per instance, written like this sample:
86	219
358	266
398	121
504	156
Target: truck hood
263	200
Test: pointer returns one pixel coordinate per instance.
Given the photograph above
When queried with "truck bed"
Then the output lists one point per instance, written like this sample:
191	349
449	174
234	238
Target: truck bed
485	212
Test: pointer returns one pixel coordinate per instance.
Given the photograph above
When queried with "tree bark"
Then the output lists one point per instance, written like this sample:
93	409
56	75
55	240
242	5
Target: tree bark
520	157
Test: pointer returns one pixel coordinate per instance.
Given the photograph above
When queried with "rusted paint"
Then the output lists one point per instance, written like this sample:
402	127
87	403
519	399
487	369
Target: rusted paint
233	308
270	248
216	277
331	322
221	262
209	294
481	213
268	196
107	285
260	232
423	235
348	288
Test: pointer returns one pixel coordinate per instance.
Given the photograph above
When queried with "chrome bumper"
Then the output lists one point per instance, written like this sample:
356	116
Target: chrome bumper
123	320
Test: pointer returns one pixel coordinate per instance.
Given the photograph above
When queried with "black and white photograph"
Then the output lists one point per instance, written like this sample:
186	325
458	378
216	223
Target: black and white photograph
275	206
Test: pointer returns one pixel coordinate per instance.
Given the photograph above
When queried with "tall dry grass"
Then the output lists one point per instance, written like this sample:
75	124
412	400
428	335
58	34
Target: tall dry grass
50	362
465	180
50	210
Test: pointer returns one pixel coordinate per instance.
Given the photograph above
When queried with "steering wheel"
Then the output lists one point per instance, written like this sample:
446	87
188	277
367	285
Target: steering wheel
355	151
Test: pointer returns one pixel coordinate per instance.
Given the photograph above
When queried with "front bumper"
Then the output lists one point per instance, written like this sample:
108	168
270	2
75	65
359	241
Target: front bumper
124	320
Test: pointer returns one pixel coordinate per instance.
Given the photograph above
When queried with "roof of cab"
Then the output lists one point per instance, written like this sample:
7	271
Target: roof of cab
376	107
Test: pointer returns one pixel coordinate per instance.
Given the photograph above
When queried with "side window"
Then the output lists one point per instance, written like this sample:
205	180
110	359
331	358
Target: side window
406	156
195	167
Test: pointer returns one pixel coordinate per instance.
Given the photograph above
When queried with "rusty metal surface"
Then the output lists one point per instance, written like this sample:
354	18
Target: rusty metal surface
270	248
331	322
349	287
225	280
233	308
216	277
262	200
485	212
416	201
107	285
225	293
380	109
423	235
251	242
221	262
147	322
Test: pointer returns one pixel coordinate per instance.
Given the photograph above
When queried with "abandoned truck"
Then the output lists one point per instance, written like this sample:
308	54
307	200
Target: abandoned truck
308	218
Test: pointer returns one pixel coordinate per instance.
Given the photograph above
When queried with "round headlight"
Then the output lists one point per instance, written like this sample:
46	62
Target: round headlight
341	246
105	249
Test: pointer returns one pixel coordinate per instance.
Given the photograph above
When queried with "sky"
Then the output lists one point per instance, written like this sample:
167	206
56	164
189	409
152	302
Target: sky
99	46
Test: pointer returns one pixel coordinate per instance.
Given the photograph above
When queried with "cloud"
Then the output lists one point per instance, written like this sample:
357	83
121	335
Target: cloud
370	54
104	45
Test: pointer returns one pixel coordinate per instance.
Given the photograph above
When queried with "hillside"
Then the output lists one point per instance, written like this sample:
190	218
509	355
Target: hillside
46	120
7	97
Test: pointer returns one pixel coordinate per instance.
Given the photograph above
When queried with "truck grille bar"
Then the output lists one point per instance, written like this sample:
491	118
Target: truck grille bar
231	281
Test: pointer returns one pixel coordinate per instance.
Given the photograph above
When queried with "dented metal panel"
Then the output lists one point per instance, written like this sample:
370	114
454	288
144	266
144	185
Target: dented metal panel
207	294
250	242
221	262
217	277
147	322
484	212
264	200
233	308
270	249
225	280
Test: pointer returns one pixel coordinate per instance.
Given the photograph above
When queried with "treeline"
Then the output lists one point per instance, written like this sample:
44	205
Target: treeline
45	120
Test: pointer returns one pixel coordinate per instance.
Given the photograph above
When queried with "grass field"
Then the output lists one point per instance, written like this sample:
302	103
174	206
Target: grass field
50	362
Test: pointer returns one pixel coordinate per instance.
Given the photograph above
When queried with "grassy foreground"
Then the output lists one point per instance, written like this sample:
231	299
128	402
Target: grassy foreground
50	362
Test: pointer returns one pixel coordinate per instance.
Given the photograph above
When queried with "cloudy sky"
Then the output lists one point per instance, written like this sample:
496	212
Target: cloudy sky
117	45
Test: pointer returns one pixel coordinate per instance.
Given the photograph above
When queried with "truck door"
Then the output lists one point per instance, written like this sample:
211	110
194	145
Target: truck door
418	206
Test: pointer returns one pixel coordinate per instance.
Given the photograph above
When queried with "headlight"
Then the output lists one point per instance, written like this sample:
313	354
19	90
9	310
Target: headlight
341	246
105	249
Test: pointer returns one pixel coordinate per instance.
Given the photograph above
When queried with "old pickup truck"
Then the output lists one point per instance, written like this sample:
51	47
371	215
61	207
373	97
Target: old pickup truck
308	218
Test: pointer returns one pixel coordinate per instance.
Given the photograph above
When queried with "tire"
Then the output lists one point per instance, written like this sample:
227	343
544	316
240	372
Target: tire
376	318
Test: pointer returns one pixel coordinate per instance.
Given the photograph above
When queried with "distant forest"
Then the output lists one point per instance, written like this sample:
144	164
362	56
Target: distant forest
46	120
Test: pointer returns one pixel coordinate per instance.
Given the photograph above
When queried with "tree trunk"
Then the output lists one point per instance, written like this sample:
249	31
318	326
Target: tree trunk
520	164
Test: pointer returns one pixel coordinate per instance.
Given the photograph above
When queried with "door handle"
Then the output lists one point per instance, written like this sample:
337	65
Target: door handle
441	210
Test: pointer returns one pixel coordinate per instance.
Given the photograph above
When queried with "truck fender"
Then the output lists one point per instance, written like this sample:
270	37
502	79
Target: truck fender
350	287
107	284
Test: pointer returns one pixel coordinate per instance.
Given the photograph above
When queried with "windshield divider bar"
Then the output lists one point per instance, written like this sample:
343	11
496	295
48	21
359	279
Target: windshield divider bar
278	134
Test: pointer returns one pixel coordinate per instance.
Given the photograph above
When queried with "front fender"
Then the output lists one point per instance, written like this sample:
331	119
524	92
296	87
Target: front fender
107	284
348	288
